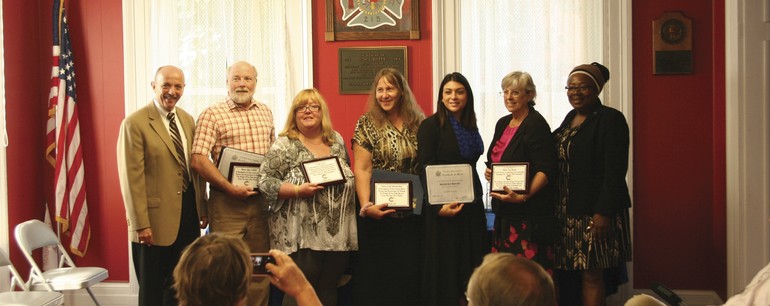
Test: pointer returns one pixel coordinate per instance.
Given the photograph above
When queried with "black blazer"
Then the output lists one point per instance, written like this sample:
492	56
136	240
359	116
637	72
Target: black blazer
532	143
598	162
437	145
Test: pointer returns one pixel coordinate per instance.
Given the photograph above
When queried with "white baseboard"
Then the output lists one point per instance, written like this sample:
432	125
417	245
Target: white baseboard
108	294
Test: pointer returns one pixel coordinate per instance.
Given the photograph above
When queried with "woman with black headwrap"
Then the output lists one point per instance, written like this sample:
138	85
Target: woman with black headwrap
592	144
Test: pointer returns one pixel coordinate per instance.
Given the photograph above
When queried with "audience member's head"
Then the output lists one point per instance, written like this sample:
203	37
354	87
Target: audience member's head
505	279
213	270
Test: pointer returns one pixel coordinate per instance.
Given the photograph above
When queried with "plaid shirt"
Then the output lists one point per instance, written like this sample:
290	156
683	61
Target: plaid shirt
228	124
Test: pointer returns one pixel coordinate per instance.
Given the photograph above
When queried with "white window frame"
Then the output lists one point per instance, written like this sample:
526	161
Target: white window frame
447	57
137	55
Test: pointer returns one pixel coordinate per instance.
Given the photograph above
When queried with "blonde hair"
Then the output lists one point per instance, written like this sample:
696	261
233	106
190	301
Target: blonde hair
305	96
214	270
409	111
504	279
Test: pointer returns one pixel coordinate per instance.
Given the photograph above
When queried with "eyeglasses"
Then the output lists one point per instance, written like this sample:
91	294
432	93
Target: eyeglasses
506	93
582	88
312	108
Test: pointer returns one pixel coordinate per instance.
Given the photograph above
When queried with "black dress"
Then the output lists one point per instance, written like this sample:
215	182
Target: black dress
387	267
534	144
454	246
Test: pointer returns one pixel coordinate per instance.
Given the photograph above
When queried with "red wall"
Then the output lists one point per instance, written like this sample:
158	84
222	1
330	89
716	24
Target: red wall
346	109
679	175
679	169
96	33
27	69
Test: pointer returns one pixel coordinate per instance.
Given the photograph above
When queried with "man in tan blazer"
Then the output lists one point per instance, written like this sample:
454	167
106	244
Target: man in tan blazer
165	200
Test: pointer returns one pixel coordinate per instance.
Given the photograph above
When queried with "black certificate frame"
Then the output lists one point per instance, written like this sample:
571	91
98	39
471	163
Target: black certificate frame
409	205
303	166
235	166
511	164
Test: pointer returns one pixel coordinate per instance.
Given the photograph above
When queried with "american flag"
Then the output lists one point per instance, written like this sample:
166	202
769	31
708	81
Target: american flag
63	148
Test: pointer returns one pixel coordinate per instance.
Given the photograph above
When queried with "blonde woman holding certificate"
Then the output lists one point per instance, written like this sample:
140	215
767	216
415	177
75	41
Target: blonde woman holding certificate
314	224
455	233
386	139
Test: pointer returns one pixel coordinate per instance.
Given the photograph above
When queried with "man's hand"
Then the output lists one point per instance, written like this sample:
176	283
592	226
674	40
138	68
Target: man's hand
242	192
145	236
204	222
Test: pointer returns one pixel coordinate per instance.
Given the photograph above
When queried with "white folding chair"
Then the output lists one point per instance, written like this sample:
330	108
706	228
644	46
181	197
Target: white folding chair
25	297
34	234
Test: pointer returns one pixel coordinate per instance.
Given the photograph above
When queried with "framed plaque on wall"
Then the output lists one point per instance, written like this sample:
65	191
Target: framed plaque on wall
372	20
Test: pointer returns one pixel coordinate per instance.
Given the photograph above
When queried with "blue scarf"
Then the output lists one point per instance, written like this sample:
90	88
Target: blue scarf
470	143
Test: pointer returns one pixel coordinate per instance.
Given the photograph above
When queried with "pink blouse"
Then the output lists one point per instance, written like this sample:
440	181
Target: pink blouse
502	143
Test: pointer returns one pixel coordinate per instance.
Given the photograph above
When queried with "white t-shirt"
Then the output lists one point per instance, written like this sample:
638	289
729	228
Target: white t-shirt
756	293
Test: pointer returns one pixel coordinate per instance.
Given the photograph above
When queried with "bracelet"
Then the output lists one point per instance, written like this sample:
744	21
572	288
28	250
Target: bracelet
296	191
364	208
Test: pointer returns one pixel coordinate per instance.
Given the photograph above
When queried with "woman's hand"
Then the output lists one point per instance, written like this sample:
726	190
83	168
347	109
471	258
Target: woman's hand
285	275
307	190
488	174
599	226
450	210
509	196
377	211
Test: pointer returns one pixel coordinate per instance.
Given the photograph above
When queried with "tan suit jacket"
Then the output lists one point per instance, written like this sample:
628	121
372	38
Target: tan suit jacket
151	177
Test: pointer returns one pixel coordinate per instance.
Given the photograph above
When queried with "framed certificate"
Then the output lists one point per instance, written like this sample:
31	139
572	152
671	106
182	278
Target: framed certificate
244	174
449	183
323	171
230	155
398	195
515	176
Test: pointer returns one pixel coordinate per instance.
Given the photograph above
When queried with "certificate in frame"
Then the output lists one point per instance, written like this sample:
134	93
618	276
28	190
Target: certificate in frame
514	175
398	195
323	171
244	174
230	155
449	184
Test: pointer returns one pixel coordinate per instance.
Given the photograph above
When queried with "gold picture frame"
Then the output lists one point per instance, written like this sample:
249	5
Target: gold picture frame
365	20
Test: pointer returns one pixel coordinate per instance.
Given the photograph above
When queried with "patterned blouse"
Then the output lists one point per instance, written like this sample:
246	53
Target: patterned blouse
324	222
392	150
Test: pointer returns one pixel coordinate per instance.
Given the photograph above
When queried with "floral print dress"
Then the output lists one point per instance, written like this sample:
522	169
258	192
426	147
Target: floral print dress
324	222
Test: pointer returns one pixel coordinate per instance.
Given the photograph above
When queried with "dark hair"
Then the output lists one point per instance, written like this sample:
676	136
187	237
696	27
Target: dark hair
468	117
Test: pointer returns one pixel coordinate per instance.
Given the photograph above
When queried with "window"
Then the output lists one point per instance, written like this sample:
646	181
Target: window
545	38
204	37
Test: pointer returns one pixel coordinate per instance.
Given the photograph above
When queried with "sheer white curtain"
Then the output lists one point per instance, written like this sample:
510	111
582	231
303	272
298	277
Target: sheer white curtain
204	37
545	38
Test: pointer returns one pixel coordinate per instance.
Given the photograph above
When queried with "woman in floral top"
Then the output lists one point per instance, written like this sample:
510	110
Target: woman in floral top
386	139
315	225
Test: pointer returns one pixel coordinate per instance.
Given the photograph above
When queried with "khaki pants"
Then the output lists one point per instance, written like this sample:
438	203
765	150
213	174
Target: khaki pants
247	219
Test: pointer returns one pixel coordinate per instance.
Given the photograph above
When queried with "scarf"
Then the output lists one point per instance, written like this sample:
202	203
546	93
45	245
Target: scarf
470	143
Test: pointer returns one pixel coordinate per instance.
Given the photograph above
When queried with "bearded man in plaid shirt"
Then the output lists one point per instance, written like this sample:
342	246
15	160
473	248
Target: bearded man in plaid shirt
239	122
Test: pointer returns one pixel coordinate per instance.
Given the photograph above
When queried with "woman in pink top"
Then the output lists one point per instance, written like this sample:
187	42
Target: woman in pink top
524	218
